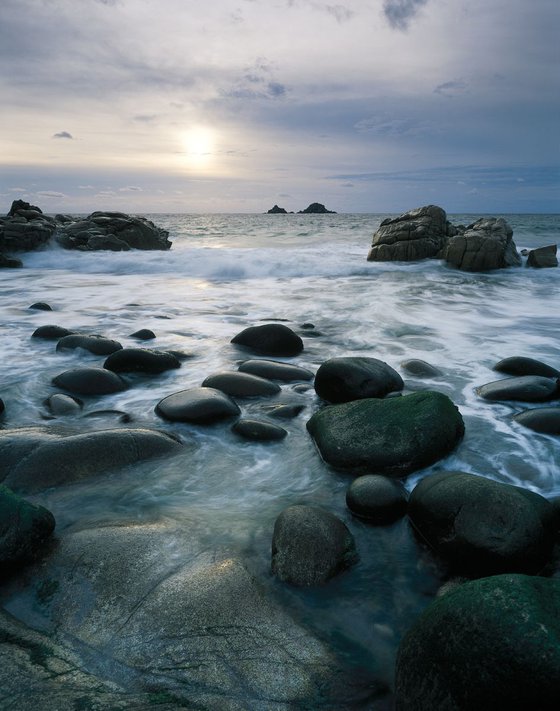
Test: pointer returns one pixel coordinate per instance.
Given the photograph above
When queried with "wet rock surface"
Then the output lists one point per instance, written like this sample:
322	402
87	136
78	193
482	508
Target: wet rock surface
377	499
355	378
486	244
198	405
89	381
525	388
275	370
521	365
141	360
241	384
273	339
98	345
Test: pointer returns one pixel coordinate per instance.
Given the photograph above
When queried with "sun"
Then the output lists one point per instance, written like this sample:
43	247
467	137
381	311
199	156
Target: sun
198	146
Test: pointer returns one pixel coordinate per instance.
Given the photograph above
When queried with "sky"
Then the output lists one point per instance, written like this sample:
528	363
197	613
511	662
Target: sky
237	105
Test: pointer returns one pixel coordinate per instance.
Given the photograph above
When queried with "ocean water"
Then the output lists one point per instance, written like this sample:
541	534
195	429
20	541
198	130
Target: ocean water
227	272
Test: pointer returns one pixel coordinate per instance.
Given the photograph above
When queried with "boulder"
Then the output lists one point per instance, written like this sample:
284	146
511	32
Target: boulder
41	306
98	345
519	365
60	404
34	461
526	388
489	644
50	332
114	231
24	528
542	419
484	245
420	369
270	339
198	405
284	412
141	360
89	381
377	499
258	430
9	262
394	436
144	334
355	378
482	527
542	257
316	208
241	384
25	228
275	370
419	234
310	546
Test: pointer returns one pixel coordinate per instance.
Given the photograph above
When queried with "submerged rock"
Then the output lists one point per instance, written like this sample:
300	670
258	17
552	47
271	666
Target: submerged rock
394	436
543	419
24	528
377	499
241	384
275	370
488	644
41	306
419	234
89	381
270	339
543	257
355	378
484	245
98	345
310	546
199	405
141	360
519	365
144	334
526	388
50	332
276	211
420	369
60	404
258	430
482	527
34	460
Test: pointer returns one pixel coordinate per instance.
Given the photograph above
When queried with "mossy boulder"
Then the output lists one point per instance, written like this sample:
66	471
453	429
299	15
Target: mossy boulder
394	436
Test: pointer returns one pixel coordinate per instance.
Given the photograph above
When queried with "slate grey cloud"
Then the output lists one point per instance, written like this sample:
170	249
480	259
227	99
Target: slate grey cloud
63	134
399	13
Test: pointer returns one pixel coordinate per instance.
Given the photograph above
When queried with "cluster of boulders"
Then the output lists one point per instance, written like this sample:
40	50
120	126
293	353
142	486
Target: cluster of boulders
426	233
25	228
315	208
146	596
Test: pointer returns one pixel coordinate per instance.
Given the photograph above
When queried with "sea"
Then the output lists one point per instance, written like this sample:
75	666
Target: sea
230	271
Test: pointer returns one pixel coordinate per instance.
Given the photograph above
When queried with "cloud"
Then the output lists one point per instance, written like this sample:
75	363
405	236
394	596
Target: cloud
130	189
17	190
399	13
384	126
451	88
63	134
339	12
257	82
49	194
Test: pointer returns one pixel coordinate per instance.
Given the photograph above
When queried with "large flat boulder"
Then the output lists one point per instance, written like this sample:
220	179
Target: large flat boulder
394	436
486	244
418	234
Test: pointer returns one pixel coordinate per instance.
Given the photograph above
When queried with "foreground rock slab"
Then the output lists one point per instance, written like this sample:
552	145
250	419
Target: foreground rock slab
482	527
489	644
394	436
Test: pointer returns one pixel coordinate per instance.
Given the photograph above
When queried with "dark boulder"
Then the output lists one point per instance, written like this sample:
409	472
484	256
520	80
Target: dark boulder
310	546
394	436
18	205
98	345
141	360
270	339
9	262
61	405
420	369
419	234
484	245
258	430
482	527
519	365
50	332
241	384
284	412
488	644
41	306
316	208
275	370
144	334
24	528
25	228
377	499
197	405
355	378
542	257
526	388
40	461
276	211
89	381
542	419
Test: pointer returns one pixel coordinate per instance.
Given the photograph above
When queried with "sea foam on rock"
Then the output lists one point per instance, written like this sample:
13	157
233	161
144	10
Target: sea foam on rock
488	644
394	436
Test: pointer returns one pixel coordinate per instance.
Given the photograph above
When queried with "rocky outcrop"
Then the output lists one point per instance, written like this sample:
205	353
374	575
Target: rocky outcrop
114	231
419	234
355	378
542	257
316	209
487	644
394	436
486	244
310	546
25	228
482	527
277	211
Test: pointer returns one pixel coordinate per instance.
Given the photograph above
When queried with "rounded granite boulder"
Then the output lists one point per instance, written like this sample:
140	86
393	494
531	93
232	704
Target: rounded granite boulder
51	332
258	430
41	306
198	405
310	546
241	384
60	404
273	339
394	436
377	499
98	345
89	381
141	360
482	527
144	334
420	369
488	644
24	528
526	388
520	365
275	370
354	378
543	419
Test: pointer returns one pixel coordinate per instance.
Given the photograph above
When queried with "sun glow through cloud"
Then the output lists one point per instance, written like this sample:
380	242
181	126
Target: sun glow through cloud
198	145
